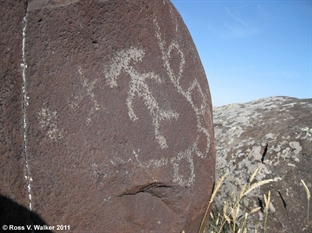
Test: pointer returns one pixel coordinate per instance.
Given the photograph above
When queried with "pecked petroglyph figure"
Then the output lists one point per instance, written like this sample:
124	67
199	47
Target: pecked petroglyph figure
139	88
175	79
88	86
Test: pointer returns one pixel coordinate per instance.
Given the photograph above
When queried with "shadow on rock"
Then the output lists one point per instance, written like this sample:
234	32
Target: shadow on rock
14	217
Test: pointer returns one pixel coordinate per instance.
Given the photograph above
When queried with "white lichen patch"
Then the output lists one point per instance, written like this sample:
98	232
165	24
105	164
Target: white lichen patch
305	129
304	133
270	143
296	147
48	122
288	151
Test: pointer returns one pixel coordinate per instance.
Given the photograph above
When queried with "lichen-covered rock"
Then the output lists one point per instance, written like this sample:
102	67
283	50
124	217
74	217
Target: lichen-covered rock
274	135
116	122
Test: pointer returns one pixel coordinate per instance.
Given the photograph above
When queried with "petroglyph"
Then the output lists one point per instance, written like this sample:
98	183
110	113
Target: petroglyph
175	162
48	121
88	87
124	62
139	88
175	79
153	163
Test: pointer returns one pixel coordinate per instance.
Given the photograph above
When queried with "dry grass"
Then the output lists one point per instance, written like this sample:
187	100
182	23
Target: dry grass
308	209
234	218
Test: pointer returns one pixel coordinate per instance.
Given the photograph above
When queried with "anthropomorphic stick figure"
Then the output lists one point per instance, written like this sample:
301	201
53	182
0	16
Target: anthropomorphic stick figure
139	88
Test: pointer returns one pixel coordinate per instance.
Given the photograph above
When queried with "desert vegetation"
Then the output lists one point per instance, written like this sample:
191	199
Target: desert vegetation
233	217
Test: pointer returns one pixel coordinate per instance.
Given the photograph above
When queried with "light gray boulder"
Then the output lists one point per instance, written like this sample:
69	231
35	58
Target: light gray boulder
273	135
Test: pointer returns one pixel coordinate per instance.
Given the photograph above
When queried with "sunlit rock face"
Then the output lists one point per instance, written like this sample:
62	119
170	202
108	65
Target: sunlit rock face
113	117
273	135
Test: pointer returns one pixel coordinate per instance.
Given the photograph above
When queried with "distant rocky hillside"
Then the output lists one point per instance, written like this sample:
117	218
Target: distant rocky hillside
274	135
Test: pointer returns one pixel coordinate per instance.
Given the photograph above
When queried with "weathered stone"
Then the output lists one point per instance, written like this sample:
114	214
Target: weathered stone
274	135
17	218
119	134
12	182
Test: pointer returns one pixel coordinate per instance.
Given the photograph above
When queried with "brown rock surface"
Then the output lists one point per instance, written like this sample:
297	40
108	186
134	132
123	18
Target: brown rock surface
12	182
274	135
118	126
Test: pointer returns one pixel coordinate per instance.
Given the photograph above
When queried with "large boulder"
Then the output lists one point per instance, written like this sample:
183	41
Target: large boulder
273	135
12	181
112	122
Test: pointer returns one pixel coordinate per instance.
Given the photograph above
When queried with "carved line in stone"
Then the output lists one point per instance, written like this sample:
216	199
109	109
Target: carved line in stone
199	111
88	86
177	177
174	161
153	163
139	88
175	79
48	121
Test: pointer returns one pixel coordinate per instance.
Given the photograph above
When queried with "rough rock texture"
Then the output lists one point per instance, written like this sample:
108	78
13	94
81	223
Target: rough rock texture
17	217
275	135
113	116
12	181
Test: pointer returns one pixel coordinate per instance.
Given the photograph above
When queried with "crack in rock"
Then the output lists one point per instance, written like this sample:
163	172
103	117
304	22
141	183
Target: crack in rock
158	190
155	189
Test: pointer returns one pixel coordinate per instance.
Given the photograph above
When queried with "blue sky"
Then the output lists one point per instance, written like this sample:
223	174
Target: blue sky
252	49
